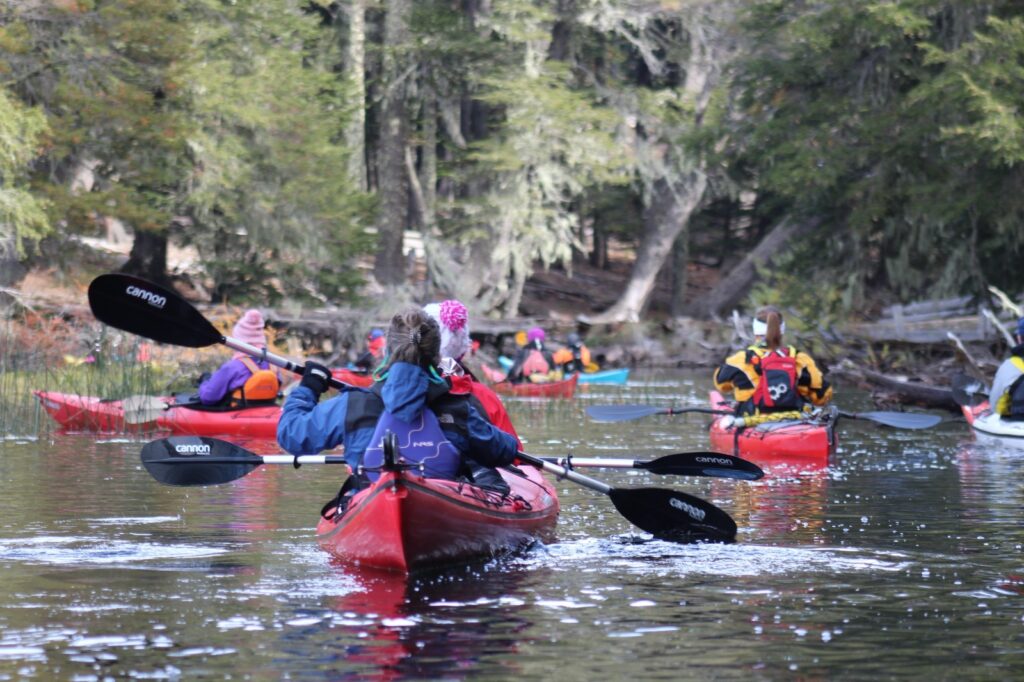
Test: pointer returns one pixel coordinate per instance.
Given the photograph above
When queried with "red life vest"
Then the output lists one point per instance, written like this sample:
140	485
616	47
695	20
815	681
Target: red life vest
777	389
535	363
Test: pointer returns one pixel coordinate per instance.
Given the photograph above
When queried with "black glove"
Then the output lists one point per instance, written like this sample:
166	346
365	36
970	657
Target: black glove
203	378
316	377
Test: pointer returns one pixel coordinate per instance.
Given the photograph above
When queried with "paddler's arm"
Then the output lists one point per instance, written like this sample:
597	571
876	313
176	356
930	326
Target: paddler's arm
488	445
308	427
733	376
811	383
213	390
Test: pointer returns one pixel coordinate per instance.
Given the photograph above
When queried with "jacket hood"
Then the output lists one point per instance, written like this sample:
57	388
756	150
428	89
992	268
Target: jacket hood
405	391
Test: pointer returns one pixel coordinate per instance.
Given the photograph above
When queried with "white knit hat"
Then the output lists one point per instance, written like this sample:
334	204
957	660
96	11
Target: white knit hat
453	318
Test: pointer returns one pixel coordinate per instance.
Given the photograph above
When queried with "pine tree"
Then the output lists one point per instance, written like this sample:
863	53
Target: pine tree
23	219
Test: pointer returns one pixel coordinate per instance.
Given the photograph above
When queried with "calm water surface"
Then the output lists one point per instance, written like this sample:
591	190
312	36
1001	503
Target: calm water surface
904	557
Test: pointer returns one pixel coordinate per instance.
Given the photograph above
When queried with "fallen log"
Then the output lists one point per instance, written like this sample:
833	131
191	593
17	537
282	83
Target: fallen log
901	389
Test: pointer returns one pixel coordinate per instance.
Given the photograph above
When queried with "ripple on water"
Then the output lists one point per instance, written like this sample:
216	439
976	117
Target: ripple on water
660	558
77	550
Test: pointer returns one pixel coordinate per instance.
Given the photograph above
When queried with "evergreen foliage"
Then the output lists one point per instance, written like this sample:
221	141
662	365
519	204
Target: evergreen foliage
269	211
23	216
517	126
884	117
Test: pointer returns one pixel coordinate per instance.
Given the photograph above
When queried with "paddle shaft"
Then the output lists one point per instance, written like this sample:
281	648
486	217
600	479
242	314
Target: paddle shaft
617	413
562	472
277	360
711	464
609	463
257	460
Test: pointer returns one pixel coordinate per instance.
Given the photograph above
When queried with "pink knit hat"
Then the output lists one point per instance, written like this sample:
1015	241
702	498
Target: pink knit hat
249	328
535	334
453	318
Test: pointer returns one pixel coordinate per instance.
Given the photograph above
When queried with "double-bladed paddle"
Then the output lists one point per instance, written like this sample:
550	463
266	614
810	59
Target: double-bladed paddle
614	413
666	514
712	464
135	305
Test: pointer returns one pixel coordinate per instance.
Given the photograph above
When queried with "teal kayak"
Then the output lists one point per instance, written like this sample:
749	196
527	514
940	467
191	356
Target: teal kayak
604	376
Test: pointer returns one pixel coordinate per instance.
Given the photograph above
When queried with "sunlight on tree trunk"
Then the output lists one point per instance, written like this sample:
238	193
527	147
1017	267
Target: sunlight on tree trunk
355	67
389	266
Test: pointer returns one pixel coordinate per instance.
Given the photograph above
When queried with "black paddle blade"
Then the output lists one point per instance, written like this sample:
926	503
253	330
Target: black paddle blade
194	460
135	305
622	413
968	391
703	464
673	515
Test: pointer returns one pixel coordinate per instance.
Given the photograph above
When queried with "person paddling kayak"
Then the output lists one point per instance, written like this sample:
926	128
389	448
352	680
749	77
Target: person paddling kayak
574	357
374	352
241	380
533	362
453	319
1007	394
436	428
769	377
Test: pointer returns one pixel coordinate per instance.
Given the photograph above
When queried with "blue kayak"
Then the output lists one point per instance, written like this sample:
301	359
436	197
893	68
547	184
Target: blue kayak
604	376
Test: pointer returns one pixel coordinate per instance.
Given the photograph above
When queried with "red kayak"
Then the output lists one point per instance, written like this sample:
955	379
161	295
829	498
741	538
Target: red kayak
353	378
565	388
405	522
87	413
810	438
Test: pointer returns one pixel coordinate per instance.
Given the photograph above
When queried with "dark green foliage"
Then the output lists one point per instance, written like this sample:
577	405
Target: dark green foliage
894	120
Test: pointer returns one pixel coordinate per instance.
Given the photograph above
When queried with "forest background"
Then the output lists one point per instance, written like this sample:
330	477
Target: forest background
832	157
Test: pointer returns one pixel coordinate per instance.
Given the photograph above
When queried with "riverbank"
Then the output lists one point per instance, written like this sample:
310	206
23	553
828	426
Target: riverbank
55	325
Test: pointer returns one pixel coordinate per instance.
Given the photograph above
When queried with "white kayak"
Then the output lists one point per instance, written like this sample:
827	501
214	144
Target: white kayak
984	420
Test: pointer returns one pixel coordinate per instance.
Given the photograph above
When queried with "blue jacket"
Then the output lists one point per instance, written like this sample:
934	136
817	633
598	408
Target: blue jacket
307	427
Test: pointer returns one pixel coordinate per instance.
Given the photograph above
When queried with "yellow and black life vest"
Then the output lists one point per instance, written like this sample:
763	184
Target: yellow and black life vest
1011	403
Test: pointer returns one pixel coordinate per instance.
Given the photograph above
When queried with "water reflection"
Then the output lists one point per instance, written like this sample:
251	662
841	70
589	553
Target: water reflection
448	624
901	558
788	504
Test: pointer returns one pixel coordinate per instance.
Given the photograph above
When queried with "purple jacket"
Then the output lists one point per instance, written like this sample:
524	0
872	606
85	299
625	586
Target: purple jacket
230	377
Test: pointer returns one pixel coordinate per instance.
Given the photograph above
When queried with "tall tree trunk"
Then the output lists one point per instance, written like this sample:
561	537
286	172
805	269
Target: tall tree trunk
680	259
389	267
428	156
735	284
148	257
677	193
599	256
355	66
666	215
12	270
